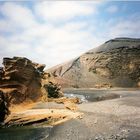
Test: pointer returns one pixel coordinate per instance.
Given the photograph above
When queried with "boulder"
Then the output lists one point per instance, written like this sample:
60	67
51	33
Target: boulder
53	90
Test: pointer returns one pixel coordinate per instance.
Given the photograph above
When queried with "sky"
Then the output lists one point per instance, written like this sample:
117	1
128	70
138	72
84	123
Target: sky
53	32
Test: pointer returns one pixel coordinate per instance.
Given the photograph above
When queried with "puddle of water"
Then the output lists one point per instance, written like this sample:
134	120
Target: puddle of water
84	98
25	133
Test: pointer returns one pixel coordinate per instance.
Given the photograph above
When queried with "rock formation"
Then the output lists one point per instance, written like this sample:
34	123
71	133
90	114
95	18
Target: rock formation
21	80
116	63
53	90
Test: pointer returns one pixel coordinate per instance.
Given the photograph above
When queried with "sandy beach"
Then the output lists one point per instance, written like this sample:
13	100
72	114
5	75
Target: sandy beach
114	119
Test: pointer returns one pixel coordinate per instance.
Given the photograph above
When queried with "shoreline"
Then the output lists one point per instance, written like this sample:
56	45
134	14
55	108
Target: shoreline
113	119
100	89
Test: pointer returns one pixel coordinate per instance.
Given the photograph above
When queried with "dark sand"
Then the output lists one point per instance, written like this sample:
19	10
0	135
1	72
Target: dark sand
114	119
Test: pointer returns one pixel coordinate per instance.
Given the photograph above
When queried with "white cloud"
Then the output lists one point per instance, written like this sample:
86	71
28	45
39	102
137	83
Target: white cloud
45	42
49	44
49	41
17	15
63	10
127	27
112	9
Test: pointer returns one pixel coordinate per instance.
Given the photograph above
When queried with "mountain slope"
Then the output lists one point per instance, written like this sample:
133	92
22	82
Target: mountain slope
115	63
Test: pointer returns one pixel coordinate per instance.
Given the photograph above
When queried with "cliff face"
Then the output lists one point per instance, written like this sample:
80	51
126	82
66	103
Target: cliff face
115	63
21	80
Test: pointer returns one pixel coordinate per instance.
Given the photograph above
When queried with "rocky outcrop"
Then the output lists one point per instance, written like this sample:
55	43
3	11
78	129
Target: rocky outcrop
116	63
53	90
21	80
51	117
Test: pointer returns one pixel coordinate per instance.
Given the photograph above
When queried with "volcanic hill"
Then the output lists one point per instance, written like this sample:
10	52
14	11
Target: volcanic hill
116	63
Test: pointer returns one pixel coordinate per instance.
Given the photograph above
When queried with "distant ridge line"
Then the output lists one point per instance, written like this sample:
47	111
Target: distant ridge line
124	39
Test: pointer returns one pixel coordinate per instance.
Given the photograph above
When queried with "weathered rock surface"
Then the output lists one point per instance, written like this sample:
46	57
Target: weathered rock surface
31	116
21	81
116	63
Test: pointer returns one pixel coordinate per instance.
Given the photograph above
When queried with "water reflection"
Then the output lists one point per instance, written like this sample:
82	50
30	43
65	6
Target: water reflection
92	97
82	98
